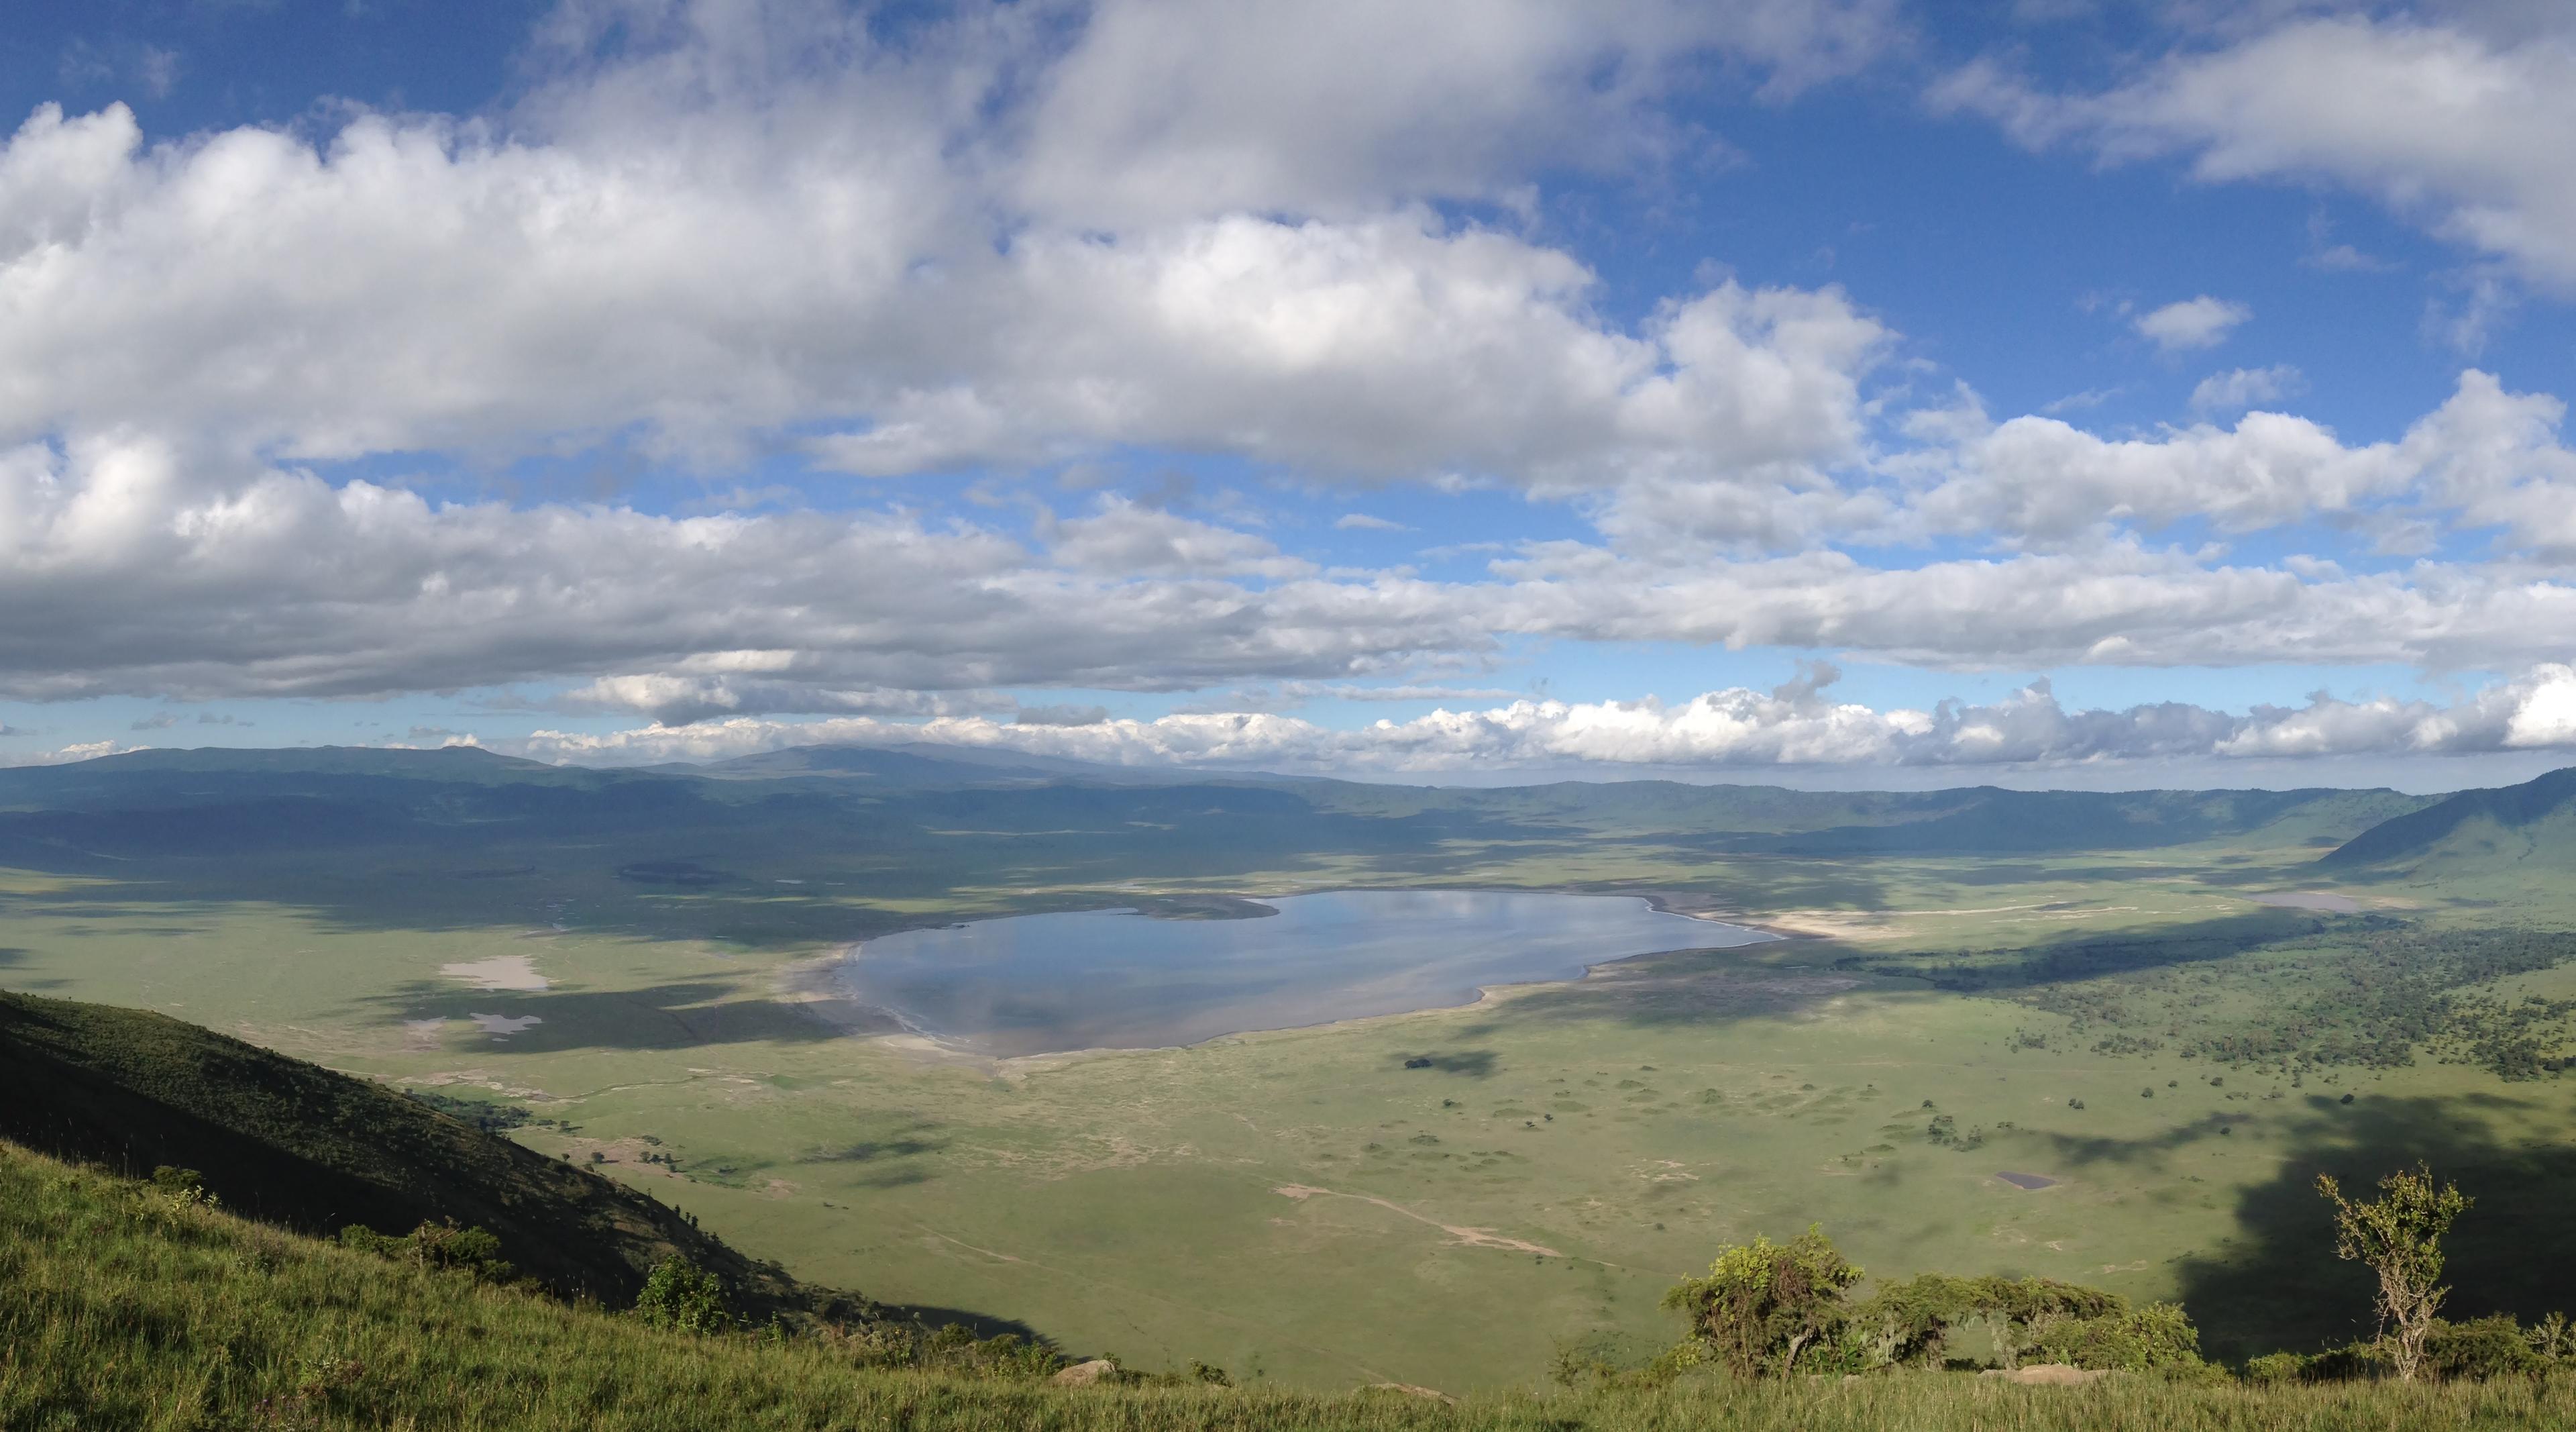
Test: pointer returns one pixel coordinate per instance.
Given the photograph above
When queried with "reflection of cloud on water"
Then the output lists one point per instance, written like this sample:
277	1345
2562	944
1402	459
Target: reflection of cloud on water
501	1026
1034	984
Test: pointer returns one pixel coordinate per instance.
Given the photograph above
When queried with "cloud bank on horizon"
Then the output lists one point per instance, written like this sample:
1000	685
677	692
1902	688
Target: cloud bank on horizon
1389	387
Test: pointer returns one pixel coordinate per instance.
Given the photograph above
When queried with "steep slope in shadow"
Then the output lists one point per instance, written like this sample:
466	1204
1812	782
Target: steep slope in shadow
298	1145
2474	830
2279	1284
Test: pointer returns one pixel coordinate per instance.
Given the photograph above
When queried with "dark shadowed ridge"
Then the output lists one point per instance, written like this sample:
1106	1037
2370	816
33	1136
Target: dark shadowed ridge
333	760
79	783
294	1144
925	764
2480	828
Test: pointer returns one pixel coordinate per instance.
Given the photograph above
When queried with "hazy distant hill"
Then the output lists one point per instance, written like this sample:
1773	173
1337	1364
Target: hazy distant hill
2475	832
921	764
1966	820
221	768
462	801
295	1144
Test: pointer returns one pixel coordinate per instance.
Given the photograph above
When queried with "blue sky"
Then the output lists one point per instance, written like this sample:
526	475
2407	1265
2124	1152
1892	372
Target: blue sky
1855	393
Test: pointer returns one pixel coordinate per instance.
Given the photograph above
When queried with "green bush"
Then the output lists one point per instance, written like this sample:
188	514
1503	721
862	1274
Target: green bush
442	1244
2488	1347
683	1297
2476	1351
1904	1323
2552	1337
183	1187
2276	1369
1764	1303
2156	1338
367	1240
1783	1308
2353	1362
472	1250
951	1351
1914	1322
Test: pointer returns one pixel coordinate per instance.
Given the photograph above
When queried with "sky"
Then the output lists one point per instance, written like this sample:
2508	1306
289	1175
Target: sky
1822	392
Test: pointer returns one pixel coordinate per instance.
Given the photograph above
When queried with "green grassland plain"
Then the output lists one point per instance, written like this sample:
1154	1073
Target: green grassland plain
1303	1207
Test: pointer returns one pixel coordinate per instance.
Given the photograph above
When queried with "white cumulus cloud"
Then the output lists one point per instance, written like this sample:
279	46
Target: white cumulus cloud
1794	725
2190	323
2238	389
2460	130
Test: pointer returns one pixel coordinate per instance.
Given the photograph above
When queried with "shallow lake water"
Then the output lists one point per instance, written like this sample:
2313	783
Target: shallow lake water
1115	979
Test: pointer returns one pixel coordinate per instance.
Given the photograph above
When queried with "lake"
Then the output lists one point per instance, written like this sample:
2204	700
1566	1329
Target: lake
1115	979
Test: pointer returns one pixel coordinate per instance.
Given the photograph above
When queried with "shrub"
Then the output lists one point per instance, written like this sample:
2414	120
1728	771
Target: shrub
2486	1348
1908	1322
2552	1337
183	1187
1913	1322
367	1240
2156	1338
955	1350
446	1245
1585	1361
2354	1362
442	1244
2349	1363
2018	1309
1764	1303
2276	1369
683	1297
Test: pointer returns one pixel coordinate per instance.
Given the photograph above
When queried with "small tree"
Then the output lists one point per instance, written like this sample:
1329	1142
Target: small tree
1909	1321
2399	1234
684	1298
2020	1311
183	1188
2552	1338
1764	1303
446	1244
2158	1337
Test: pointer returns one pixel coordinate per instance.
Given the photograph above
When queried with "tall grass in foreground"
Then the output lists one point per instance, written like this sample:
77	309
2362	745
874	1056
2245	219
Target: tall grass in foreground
123	1307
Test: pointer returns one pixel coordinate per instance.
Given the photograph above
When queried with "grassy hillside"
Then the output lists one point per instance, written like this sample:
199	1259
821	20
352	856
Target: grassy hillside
2473	833
128	1310
297	1145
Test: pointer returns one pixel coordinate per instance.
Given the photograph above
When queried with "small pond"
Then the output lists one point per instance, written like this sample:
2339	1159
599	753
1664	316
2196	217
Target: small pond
1115	979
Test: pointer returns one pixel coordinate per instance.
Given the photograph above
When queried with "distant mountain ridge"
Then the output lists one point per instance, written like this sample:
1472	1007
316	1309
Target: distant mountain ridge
924	763
233	802
2476	829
